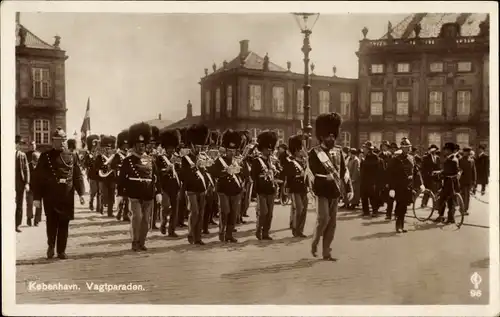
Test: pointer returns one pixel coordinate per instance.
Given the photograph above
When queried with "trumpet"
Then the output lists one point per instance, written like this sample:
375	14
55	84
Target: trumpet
203	160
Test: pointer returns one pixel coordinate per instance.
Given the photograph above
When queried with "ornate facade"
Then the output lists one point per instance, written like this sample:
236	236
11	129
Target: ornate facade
40	87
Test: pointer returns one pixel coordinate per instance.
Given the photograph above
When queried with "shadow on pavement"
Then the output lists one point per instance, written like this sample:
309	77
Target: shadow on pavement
378	222
276	268
180	248
346	218
108	223
377	235
99	233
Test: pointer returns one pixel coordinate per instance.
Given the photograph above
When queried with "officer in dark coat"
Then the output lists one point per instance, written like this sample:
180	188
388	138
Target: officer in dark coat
372	178
295	170
328	168
263	175
430	164
182	211
195	183
90	167
404	177
467	177
169	179
229	184
385	156
482	168
58	176
116	164
450	184
139	181
152	149
107	177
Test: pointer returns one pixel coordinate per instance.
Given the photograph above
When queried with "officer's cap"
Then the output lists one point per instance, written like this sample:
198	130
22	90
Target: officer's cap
59	134
394	145
405	142
368	145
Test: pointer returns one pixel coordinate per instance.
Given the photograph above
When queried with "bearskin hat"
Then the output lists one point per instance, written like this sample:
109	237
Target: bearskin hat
295	143
450	146
327	124
214	137
122	138
197	134
139	132
90	141
155	135
267	140
108	141
232	139
170	138
71	144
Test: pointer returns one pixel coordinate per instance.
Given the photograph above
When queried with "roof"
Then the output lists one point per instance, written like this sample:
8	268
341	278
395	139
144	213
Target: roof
184	123
431	24
252	61
160	124
32	41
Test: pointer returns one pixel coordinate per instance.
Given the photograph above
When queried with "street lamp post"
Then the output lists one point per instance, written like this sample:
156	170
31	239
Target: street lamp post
306	26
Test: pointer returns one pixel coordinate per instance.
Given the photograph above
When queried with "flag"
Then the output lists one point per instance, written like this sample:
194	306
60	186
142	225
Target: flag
85	129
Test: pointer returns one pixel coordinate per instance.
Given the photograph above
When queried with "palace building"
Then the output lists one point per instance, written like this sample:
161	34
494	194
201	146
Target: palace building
426	79
40	87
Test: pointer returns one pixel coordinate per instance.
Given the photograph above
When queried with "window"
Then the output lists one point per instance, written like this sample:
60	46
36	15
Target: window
217	101
281	136
278	99
464	66
345	104
41	83
463	103
376	138
403	68
377	68
324	101
436	103
436	67
229	100
300	100
400	135
255	97
463	139
376	103
403	101
435	138
345	139
41	131
207	102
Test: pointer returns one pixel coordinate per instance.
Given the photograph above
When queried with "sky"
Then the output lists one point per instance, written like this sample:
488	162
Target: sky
136	66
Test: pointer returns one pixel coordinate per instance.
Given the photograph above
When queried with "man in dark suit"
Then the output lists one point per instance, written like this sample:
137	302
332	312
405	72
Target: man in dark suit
32	155
482	168
467	177
22	180
58	176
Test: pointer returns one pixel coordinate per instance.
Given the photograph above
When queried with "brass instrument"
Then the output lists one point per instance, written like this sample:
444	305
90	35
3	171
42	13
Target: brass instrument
203	160
106	164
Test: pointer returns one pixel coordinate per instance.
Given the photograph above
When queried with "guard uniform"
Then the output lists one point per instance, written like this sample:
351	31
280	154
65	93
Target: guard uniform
58	177
90	167
152	149
263	173
404	176
195	183
170	181
327	165
107	178
138	180
295	172
182	212
211	199
229	185
246	174
116	164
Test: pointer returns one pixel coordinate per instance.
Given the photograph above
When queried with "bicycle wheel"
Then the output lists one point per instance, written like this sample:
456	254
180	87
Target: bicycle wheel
458	205
423	205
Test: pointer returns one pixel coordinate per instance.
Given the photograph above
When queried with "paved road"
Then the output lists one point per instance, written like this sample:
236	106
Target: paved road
431	264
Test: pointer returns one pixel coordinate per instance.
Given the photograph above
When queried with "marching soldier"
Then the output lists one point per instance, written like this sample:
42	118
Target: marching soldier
90	166
404	176
450	184
211	200
229	185
182	212
106	194
482	168
58	176
327	164
263	173
467	177
353	166
138	181
430	164
295	171
246	173
169	179
372	173
194	181
152	149
116	164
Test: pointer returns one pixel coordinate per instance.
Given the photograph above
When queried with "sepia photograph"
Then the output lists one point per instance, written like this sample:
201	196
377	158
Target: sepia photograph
335	157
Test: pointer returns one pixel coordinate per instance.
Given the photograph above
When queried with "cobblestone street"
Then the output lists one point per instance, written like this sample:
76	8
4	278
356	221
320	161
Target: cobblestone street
431	264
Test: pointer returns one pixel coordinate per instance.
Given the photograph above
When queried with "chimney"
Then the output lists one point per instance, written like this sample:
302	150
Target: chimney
159	116
244	47
189	113
18	18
